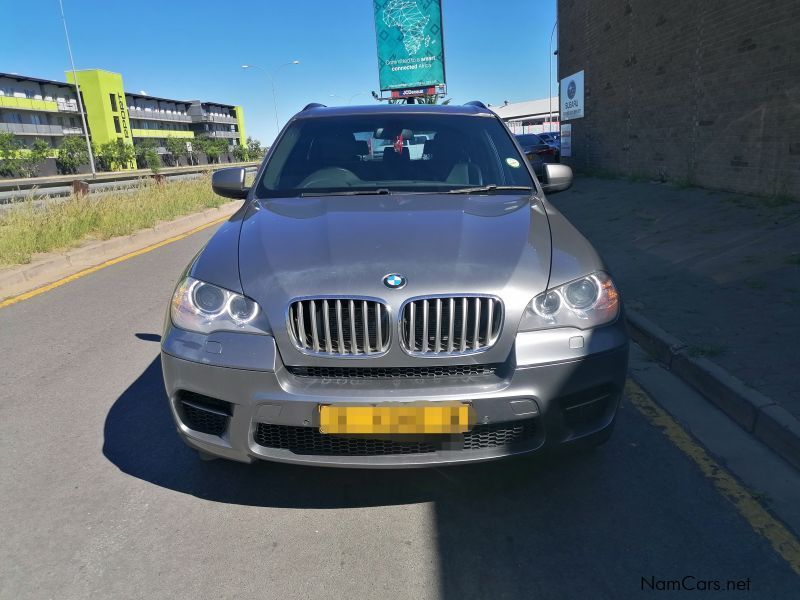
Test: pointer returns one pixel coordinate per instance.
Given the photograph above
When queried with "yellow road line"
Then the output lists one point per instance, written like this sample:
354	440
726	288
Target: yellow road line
108	263
762	522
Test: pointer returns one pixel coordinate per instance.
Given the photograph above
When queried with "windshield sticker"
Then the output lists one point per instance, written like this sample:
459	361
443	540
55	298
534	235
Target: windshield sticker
512	162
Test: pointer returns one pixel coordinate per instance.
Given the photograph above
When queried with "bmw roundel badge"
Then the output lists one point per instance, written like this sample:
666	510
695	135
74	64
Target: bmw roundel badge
394	281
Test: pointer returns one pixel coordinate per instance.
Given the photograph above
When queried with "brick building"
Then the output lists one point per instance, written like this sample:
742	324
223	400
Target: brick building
702	93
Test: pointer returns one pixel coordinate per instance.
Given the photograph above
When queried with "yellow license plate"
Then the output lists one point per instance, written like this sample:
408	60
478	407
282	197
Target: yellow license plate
399	419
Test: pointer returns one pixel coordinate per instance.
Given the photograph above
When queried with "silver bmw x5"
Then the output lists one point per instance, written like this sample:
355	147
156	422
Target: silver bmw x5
395	291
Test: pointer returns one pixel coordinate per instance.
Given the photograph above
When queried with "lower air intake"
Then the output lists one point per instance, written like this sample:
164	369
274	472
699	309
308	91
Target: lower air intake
203	413
309	441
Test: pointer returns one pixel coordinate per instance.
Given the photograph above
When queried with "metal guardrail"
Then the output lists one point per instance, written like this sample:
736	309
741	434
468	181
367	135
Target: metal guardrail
15	190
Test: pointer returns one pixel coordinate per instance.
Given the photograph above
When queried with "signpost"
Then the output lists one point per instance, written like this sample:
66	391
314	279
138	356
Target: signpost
572	97
410	47
566	140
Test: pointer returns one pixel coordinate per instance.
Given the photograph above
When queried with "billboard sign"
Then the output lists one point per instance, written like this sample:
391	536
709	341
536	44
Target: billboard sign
412	92
410	43
572	97
566	140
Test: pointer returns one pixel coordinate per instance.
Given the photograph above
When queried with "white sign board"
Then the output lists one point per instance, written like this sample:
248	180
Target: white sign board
566	140
572	97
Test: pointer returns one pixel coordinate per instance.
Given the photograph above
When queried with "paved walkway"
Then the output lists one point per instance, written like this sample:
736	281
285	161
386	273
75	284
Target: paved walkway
720	271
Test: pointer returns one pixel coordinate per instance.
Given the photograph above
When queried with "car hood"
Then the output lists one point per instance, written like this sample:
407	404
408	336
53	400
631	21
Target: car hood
345	245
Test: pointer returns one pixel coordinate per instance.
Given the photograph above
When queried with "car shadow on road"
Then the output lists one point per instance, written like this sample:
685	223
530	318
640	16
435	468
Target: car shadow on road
589	525
140	439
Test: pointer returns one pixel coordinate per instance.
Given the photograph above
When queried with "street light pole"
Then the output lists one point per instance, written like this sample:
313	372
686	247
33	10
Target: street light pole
78	92
271	76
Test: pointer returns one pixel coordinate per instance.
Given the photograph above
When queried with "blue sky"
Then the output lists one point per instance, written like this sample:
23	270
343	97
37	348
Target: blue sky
494	51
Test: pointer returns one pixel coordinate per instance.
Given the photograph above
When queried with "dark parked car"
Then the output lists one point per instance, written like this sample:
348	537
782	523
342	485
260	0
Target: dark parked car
552	138
537	150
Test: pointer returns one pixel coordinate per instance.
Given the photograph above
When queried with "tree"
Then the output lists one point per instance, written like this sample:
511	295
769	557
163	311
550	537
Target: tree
29	162
115	154
124	154
199	144
9	148
240	153
153	160
177	148
254	149
141	148
212	148
147	155
71	154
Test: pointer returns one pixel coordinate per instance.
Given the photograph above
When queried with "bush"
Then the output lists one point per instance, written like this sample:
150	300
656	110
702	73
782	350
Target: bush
72	154
114	155
153	160
212	148
176	148
9	147
29	162
254	149
240	153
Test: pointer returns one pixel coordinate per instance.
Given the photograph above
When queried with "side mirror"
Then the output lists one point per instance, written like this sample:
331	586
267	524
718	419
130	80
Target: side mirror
556	178
229	182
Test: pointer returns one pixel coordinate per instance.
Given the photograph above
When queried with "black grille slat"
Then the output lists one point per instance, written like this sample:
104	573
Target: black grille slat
433	372
337	326
309	441
473	323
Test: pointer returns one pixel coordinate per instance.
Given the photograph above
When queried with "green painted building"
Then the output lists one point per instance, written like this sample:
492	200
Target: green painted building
32	108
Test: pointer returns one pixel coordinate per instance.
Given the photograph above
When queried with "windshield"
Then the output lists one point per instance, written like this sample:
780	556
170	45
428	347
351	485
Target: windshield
393	152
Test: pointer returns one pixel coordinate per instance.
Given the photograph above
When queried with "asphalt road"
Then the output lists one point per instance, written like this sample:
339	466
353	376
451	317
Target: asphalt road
100	499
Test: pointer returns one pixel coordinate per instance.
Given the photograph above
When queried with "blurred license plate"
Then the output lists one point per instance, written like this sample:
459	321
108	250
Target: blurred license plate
400	418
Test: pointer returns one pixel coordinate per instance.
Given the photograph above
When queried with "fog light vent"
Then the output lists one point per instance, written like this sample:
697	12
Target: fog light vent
203	413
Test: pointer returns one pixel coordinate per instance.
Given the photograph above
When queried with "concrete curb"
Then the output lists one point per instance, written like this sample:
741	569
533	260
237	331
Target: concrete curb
753	411
54	266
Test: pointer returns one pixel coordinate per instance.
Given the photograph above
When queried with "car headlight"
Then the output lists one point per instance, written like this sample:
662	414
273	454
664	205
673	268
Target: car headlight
203	307
584	303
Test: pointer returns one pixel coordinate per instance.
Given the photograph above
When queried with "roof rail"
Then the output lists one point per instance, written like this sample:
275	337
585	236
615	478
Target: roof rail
477	103
313	105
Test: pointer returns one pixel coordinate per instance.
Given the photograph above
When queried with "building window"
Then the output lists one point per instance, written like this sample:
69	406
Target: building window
117	128
113	99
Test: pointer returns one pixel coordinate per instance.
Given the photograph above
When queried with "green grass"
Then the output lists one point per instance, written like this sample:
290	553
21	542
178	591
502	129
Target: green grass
27	229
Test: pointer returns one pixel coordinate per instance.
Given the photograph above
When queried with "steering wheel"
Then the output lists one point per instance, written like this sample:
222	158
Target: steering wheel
330	177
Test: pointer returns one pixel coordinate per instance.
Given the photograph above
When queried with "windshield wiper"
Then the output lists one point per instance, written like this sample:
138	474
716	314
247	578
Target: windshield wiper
490	188
375	192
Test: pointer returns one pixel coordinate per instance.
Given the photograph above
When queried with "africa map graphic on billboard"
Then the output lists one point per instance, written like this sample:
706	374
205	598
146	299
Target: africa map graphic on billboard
409	37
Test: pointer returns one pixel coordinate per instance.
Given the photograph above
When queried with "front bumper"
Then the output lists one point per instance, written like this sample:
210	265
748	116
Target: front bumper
266	412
